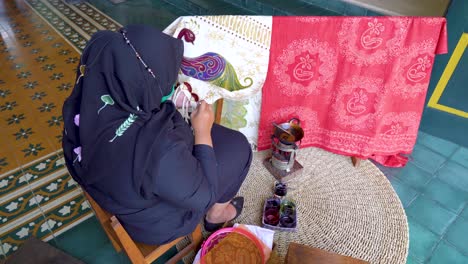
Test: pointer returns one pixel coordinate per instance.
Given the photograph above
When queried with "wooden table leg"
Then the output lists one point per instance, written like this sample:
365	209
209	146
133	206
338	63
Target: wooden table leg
356	161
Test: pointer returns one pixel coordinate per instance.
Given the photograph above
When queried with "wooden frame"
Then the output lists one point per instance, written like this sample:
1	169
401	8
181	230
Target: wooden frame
139	253
219	111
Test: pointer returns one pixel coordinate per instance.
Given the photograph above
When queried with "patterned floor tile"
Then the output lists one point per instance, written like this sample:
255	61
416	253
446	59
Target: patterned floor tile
36	226
72	210
38	74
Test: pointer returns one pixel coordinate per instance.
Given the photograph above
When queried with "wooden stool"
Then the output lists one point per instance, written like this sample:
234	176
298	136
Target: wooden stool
137	252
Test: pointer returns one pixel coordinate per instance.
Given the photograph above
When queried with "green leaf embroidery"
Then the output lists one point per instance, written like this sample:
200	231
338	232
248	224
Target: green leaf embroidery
124	126
107	100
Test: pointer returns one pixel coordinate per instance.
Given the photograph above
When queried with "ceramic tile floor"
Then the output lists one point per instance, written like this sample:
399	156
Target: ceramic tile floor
433	187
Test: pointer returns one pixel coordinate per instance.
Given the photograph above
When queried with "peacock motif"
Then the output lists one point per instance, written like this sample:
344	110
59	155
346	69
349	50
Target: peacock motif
211	67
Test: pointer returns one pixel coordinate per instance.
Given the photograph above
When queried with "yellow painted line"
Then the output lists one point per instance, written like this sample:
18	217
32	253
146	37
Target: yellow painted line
451	110
446	75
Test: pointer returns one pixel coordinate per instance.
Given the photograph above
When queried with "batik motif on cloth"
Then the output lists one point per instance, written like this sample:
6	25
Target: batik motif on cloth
358	84
227	57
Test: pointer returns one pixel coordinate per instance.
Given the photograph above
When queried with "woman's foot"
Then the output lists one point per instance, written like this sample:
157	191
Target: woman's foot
220	214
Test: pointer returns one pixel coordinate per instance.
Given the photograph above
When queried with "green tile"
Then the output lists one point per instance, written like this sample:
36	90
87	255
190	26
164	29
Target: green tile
411	260
461	156
230	10
389	172
107	255
354	10
405	193
166	256
464	214
422	241
430	214
455	175
284	5
321	3
337	6
450	197
83	240
436	144
427	159
457	235
445	253
414	176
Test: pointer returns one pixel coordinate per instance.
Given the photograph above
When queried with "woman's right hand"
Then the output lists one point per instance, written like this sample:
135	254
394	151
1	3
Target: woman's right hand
202	119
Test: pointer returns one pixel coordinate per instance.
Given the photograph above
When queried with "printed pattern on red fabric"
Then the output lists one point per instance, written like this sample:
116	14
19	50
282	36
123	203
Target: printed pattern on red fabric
358	84
309	65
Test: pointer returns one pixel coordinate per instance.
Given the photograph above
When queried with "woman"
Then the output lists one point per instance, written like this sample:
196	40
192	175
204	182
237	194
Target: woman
132	151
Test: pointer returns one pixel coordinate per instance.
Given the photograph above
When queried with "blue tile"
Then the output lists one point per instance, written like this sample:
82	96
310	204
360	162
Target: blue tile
436	144
430	214
422	241
321	3
354	10
337	6
411	260
464	214
405	193
457	235
82	240
389	172
166	256
450	197
106	255
461	156
414	176
445	253
427	159
373	13
455	175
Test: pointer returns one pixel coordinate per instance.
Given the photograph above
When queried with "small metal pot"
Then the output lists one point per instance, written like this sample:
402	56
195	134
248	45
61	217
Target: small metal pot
290	132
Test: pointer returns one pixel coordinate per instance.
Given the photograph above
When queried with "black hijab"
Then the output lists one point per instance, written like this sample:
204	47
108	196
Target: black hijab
114	114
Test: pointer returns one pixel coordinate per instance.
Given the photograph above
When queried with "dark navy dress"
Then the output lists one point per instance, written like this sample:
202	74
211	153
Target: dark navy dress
187	181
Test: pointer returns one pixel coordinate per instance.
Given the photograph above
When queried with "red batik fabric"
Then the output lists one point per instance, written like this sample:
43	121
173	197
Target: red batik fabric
358	84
